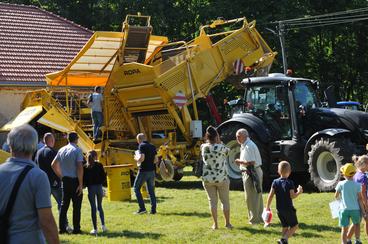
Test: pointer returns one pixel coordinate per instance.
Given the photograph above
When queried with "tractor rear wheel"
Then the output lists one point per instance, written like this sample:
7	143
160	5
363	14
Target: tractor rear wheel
228	133
326	157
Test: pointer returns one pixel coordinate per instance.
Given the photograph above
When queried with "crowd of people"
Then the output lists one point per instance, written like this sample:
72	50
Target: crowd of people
26	186
216	183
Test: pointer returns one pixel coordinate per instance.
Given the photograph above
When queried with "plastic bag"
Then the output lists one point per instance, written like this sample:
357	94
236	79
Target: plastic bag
335	207
267	216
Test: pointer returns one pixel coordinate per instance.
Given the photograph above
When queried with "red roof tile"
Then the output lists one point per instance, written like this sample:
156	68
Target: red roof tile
34	42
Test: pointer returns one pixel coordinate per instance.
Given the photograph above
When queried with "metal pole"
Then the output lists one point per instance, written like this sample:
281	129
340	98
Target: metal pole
282	42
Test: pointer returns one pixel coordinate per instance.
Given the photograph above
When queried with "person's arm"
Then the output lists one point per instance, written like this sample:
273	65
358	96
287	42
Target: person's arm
270	197
55	165
337	195
364	196
139	158
102	173
245	163
249	158
294	194
361	205
80	177
48	225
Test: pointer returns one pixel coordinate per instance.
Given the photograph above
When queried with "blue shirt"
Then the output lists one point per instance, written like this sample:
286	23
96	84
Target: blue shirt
97	99
69	157
34	193
282	187
349	194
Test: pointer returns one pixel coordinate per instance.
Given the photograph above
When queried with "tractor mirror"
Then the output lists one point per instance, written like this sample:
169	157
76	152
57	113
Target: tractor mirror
315	84
330	97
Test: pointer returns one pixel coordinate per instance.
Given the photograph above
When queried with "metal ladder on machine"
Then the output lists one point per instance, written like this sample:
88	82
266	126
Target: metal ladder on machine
137	30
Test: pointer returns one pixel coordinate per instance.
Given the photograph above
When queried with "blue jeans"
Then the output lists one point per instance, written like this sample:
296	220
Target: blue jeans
149	178
95	193
97	120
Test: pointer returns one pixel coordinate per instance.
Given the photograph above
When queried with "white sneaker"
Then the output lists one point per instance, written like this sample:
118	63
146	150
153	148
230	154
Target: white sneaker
93	232
104	229
69	229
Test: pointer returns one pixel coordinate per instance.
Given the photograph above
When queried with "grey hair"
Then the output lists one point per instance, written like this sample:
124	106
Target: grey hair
243	132
141	137
23	139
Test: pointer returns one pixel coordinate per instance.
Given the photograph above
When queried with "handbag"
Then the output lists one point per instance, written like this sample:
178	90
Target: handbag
4	218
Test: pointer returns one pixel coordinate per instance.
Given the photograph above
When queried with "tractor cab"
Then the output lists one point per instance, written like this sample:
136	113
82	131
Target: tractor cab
281	102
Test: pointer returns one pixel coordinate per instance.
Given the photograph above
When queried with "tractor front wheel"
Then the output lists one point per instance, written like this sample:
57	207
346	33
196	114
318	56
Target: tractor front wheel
326	157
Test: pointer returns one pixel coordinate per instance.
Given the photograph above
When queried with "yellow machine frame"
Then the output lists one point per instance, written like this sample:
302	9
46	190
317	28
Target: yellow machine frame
141	75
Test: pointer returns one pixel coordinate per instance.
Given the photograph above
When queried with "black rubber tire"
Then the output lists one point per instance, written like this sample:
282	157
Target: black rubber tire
325	158
227	134
178	174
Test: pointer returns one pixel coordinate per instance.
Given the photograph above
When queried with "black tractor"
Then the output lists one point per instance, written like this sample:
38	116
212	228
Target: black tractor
285	119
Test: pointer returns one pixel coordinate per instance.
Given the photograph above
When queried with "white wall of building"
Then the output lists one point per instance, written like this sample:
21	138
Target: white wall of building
10	101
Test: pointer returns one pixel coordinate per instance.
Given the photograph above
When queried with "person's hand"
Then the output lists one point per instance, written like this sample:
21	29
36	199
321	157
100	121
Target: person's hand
79	190
238	161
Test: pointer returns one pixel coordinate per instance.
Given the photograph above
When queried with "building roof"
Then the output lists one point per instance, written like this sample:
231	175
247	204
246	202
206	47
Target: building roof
34	42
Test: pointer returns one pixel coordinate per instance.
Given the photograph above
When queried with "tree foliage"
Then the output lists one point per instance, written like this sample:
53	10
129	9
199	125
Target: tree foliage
334	55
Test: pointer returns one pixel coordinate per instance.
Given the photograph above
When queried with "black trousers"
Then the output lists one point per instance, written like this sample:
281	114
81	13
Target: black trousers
69	189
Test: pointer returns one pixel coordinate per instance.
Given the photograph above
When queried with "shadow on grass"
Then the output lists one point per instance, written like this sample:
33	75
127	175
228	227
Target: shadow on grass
181	184
147	200
318	227
190	214
253	231
133	234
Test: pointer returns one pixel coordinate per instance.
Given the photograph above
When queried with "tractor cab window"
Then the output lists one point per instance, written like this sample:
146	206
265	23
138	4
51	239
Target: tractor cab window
270	103
305	96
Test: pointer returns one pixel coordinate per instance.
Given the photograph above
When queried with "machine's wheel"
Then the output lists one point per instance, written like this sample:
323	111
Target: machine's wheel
178	174
158	177
228	133
165	171
326	157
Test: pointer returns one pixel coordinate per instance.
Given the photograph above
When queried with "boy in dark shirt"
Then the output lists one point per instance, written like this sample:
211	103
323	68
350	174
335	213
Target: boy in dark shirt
285	191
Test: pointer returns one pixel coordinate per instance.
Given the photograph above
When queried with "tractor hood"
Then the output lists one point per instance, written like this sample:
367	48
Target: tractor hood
360	118
355	121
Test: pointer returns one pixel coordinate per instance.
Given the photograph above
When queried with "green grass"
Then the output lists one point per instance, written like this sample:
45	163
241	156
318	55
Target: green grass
183	217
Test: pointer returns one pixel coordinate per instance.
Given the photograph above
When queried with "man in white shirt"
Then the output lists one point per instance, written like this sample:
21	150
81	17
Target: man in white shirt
95	101
250	156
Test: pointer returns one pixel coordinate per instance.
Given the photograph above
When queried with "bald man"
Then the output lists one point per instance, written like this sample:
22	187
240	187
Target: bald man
146	159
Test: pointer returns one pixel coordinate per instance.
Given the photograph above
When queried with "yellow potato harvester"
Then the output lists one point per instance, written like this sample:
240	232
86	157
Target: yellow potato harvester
149	85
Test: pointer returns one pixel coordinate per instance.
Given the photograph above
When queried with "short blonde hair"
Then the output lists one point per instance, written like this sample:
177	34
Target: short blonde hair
284	167
360	161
